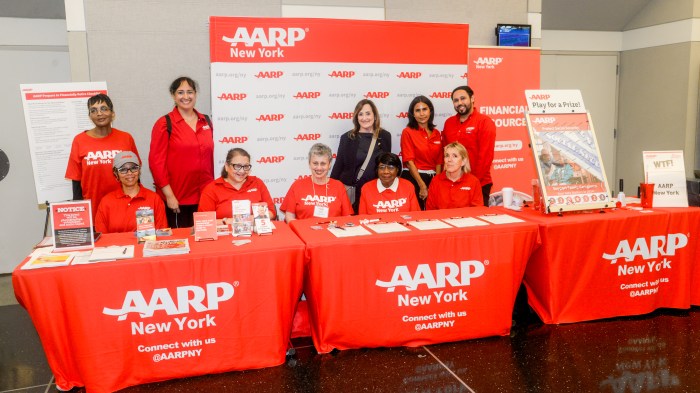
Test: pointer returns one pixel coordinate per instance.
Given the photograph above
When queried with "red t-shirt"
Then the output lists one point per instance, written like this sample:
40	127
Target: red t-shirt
304	195
90	163
443	193
478	135
185	161
403	200
425	151
217	196
117	211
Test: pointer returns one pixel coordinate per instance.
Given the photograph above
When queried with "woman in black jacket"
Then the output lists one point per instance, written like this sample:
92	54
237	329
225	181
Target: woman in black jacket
354	146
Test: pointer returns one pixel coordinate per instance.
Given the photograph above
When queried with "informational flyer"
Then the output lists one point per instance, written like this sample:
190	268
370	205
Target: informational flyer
72	225
666	169
54	113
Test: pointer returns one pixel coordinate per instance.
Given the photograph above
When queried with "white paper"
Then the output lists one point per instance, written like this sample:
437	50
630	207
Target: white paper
349	231
500	219
426	225
387	227
43	257
111	253
666	169
463	222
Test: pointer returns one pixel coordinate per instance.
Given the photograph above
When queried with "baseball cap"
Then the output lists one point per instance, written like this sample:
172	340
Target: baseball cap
124	157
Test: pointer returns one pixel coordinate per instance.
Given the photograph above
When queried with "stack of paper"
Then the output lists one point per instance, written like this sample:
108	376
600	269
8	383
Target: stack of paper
111	253
165	247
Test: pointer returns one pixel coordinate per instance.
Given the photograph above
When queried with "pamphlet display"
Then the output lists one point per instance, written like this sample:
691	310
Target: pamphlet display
145	224
72	225
154	248
569	166
205	226
263	226
666	170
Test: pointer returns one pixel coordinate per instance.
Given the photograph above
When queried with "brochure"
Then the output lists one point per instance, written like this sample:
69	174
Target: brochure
242	224
43	257
145	224
166	247
263	226
205	226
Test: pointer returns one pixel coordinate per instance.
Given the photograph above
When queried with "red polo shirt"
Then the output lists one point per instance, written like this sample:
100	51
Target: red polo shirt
185	160
478	135
387	200
425	151
304	195
217	196
117	211
443	193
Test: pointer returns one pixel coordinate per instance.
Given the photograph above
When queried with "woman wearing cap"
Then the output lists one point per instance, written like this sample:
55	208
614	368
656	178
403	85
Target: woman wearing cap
421	147
235	184
456	186
355	146
182	154
92	151
117	210
389	193
317	195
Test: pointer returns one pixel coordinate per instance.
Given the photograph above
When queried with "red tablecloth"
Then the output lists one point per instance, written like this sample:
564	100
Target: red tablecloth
217	309
621	262
464	281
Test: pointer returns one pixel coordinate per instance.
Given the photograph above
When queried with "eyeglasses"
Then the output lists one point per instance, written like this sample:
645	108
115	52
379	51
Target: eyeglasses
102	109
389	168
133	169
239	167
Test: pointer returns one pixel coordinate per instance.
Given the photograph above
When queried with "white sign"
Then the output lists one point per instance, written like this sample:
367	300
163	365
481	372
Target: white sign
666	170
555	101
54	113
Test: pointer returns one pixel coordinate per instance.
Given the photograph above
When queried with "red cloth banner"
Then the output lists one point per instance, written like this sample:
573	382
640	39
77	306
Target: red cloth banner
499	77
622	262
110	325
416	287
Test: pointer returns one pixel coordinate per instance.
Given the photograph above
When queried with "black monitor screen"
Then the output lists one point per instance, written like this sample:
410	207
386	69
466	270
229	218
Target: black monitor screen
513	35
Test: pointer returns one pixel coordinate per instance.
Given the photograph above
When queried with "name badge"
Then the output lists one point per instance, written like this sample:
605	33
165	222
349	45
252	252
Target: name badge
321	211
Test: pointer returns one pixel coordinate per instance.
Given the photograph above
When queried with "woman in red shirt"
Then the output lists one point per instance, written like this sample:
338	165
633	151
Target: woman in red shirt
456	186
389	193
92	151
421	147
182	154
235	184
117	210
317	195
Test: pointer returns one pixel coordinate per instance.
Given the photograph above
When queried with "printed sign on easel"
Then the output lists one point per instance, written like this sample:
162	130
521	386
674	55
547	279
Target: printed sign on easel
666	170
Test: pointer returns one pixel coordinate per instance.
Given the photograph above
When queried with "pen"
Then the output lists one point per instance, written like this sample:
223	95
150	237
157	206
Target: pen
124	252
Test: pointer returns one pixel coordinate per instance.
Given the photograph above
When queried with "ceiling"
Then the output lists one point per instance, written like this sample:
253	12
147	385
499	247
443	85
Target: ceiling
589	15
595	15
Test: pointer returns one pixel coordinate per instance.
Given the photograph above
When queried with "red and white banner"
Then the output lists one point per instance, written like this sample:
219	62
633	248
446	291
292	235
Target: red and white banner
499	76
280	85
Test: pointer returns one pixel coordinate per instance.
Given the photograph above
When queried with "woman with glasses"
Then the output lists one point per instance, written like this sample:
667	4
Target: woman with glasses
92	151
389	193
317	195
117	210
182	154
235	184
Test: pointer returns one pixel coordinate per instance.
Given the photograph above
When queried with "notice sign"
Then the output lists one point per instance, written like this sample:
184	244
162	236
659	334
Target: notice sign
667	171
72	225
54	113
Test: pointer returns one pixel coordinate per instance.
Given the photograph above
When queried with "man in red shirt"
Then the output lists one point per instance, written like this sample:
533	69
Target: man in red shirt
476	132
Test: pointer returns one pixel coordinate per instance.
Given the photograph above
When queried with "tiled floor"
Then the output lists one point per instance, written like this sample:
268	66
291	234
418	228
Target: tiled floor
659	352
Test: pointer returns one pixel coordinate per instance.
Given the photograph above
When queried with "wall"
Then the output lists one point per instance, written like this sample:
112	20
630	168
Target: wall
32	51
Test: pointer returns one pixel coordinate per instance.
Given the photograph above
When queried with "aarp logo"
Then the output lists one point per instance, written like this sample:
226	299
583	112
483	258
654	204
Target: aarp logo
267	37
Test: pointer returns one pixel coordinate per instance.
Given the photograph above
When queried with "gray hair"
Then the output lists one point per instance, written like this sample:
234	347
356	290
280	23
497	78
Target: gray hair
319	149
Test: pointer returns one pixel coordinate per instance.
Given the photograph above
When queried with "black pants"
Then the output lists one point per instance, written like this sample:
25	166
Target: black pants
184	219
486	191
426	179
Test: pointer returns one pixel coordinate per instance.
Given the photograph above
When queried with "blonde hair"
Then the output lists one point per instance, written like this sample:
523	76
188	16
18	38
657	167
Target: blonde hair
466	167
